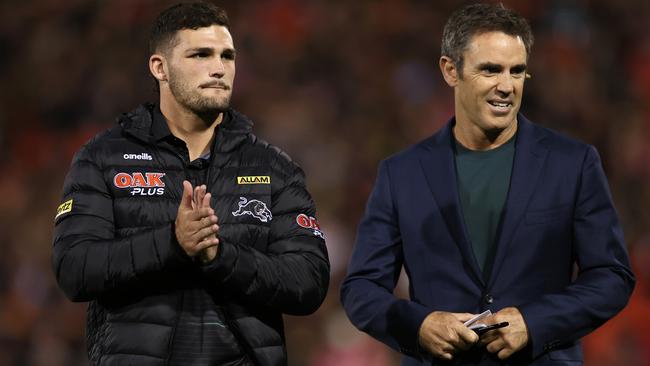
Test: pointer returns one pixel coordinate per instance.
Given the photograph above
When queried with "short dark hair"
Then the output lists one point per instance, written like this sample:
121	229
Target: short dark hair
476	19
183	16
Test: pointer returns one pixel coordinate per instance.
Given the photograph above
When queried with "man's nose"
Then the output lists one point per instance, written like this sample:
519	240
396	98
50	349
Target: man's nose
505	83
218	70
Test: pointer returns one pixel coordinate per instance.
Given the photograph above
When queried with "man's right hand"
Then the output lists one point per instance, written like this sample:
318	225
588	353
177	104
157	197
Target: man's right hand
195	228
443	334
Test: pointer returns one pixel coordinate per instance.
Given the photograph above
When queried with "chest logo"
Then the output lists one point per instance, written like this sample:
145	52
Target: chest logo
255	208
258	179
143	156
147	184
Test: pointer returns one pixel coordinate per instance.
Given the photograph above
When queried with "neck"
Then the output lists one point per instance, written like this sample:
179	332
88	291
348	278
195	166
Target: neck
475	138
196	130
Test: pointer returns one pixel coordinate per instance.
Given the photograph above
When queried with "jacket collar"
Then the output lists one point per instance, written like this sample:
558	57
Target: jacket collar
438	166
147	124
530	154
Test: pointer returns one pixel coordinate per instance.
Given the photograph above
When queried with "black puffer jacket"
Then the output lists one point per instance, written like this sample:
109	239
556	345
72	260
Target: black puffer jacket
114	242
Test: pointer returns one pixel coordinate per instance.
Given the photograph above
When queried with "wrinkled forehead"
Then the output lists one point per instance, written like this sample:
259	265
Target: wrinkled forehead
495	47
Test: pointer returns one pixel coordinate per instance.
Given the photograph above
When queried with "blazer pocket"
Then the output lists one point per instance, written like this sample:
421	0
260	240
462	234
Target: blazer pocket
548	215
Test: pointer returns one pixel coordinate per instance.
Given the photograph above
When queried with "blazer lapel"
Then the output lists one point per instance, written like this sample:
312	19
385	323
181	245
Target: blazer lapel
530	154
439	168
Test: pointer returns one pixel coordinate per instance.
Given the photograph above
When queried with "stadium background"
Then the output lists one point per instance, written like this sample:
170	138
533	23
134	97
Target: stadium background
337	84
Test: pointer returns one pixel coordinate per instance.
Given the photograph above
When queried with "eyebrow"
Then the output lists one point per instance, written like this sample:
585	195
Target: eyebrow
209	50
493	66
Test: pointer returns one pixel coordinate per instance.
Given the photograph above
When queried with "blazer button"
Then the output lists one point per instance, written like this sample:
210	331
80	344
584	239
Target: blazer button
488	299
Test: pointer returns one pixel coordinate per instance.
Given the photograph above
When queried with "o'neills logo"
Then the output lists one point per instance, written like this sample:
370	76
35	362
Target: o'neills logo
147	184
143	156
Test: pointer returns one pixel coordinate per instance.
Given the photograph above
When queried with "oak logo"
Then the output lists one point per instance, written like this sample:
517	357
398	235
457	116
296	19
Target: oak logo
309	222
257	179
147	184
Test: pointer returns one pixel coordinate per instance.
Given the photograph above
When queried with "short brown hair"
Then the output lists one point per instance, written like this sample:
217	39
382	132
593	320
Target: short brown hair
475	19
183	16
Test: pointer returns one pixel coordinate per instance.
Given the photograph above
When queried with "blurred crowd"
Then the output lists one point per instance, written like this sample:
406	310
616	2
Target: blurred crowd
337	84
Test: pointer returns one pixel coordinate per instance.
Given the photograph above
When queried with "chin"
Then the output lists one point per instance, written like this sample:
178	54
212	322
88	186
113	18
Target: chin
208	105
501	122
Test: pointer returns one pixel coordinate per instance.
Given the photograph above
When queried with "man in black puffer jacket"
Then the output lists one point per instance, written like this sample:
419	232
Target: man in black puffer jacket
189	236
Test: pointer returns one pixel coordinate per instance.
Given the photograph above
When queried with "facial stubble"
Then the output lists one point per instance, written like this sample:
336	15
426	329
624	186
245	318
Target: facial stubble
189	97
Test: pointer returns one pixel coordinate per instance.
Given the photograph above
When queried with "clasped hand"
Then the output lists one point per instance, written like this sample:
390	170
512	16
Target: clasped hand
505	341
443	334
196	223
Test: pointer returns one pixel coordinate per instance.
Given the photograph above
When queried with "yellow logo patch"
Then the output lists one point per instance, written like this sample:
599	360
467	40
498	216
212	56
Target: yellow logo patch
65	207
257	179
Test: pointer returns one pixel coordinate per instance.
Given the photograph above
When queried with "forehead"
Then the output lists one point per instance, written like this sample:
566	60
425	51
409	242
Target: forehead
214	36
495	47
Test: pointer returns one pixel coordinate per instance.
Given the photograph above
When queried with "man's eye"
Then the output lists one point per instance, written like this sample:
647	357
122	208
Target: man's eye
518	73
491	70
228	56
199	55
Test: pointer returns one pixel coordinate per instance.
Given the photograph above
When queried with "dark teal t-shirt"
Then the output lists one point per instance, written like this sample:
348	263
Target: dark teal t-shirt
483	183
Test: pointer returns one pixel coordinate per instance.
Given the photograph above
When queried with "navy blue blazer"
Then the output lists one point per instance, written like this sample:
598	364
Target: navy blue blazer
561	258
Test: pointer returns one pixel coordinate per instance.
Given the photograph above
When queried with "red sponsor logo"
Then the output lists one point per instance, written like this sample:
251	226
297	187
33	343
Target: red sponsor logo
307	222
146	180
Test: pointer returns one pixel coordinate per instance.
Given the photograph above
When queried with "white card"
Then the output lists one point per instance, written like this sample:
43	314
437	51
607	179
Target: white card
478	317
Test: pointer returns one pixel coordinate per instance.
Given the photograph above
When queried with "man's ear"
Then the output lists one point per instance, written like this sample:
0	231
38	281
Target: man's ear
449	71
158	66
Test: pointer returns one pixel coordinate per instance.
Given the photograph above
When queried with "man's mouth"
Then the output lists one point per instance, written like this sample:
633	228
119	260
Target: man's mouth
500	106
215	86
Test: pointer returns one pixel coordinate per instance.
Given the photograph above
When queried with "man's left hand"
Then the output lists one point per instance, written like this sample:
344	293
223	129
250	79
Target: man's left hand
507	340
200	200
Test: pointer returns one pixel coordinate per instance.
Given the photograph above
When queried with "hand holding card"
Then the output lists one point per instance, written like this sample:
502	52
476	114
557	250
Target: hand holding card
479	327
482	328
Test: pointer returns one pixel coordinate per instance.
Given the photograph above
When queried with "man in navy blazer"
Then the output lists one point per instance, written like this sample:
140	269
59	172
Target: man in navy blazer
491	213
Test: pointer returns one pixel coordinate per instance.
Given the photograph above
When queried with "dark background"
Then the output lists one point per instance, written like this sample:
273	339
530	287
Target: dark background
339	85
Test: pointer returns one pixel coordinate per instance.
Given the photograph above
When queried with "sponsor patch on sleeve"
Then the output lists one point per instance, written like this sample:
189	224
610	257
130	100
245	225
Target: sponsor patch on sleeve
256	179
310	223
64	208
